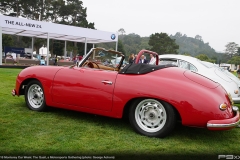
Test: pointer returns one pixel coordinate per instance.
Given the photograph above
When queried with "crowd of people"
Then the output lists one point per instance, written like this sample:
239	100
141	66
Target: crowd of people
132	59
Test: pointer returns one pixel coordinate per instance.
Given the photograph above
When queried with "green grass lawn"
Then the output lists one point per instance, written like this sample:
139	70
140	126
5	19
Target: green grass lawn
63	132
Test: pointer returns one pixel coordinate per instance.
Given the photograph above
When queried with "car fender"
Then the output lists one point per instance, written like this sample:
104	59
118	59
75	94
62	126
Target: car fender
44	74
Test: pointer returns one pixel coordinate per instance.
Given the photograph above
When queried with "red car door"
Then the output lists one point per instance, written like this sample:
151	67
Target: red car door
84	87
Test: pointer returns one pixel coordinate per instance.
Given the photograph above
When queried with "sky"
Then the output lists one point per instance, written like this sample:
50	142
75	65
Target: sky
216	21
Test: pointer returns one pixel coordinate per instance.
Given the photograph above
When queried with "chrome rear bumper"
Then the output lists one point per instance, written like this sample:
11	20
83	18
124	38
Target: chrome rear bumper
226	123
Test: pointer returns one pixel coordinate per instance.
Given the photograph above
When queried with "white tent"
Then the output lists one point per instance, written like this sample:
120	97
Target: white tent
47	30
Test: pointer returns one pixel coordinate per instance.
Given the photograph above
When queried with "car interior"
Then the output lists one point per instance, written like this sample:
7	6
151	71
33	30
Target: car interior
104	59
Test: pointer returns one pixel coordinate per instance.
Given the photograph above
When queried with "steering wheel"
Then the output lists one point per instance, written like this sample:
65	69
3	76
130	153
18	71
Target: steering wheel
85	63
96	64
90	64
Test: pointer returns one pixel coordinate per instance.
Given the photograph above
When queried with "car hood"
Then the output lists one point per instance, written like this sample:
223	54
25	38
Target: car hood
222	75
204	81
233	77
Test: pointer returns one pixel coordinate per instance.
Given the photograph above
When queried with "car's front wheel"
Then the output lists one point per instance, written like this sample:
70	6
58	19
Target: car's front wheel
152	118
34	96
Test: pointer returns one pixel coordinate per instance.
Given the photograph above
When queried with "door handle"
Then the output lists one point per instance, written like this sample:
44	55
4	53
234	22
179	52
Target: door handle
107	82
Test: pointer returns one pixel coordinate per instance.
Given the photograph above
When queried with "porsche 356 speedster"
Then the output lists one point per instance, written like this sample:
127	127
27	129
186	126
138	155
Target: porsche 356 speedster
154	97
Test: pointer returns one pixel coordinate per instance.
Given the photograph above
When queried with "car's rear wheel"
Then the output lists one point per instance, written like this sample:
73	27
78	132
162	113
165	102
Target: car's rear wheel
34	96
152	118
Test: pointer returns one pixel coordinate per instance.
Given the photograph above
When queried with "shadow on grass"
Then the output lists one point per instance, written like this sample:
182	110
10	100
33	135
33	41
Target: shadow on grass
180	131
183	139
91	118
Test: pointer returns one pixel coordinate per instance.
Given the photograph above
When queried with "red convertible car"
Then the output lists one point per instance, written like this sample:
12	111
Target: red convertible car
154	97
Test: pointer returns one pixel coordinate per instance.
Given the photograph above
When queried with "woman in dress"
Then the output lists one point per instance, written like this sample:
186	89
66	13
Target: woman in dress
131	58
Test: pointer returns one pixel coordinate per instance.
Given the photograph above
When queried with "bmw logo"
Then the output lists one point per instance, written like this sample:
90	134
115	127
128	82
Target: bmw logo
113	36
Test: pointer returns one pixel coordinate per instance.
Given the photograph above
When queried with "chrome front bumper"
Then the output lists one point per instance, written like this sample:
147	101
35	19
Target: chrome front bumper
13	92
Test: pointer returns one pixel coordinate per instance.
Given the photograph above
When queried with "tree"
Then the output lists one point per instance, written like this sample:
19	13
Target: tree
238	51
122	31
162	44
121	47
215	59
186	54
204	57
53	11
198	37
133	43
73	13
234	60
7	40
231	48
11	7
193	46
178	34
32	9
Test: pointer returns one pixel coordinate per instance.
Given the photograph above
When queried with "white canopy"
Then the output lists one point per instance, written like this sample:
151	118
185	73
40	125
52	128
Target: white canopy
47	30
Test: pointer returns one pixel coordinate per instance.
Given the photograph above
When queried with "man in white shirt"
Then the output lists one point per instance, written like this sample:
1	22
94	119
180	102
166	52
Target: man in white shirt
152	59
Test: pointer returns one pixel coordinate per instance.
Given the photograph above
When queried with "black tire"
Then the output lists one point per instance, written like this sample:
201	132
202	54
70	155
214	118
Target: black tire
34	96
152	118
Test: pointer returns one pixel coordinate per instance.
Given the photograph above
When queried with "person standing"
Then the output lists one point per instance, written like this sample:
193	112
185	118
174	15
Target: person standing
135	58
80	57
76	60
55	60
143	60
131	58
238	73
152	59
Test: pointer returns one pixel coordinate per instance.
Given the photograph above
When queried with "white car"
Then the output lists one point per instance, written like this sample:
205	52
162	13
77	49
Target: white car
199	67
230	75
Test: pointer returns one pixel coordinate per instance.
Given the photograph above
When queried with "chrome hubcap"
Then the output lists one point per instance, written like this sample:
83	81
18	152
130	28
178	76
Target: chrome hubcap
35	96
150	115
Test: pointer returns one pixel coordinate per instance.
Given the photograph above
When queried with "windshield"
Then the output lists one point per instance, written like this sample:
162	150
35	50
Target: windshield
105	57
100	58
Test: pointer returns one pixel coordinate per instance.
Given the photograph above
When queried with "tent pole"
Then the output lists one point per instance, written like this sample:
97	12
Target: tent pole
47	48
116	45
32	47
65	50
85	48
1	46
